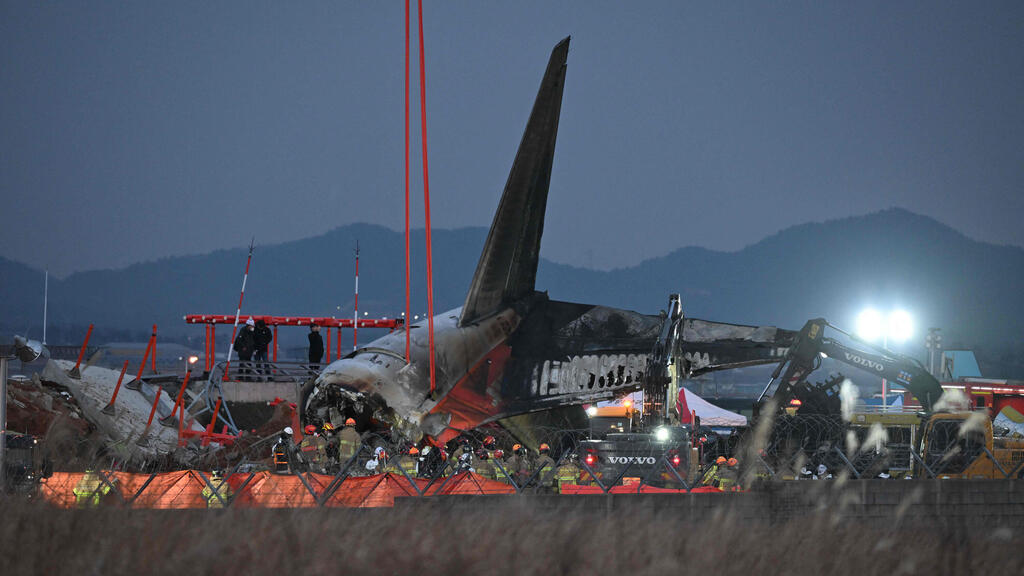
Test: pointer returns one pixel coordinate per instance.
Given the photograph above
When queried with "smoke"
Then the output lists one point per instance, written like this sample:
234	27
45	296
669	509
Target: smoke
851	442
976	422
876	439
952	400
848	396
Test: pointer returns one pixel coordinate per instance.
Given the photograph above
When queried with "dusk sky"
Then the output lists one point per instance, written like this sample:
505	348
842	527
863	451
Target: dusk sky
133	131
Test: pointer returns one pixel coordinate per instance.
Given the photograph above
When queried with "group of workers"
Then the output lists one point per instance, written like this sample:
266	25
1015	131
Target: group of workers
723	473
326	450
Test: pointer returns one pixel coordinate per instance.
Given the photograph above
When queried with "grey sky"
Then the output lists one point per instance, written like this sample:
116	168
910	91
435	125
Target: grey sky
133	131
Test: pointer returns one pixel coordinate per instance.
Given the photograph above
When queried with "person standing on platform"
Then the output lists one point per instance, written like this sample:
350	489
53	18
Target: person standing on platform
316	347
262	337
245	345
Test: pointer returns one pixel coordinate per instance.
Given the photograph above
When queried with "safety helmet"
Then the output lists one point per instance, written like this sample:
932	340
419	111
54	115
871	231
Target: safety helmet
350	422
544	448
288	430
250	322
309	429
489	442
216	474
379	451
481	454
822	469
721	460
414	451
517	447
733	462
499	454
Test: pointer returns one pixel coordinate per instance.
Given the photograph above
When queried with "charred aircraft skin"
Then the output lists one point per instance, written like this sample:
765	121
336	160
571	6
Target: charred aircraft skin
509	350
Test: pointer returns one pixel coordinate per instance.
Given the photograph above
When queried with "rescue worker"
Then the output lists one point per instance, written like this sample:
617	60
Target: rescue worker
281	450
378	462
823	473
501	471
518	464
245	345
348	441
314	449
710	477
546	466
567	474
407	463
220	487
728	475
484	467
90	490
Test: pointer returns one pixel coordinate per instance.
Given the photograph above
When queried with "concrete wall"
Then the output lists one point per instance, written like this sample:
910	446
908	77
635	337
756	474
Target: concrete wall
949	503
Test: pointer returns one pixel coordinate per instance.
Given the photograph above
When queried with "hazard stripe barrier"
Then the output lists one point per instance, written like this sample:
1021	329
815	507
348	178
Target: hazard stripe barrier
184	489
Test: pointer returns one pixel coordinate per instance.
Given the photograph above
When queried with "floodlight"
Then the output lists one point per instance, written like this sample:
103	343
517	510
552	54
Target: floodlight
901	326
869	325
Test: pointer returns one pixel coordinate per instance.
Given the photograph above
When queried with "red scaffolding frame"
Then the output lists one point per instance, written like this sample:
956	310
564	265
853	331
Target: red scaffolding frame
211	320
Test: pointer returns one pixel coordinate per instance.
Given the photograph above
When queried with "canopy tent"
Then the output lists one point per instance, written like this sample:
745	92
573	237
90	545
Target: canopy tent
710	415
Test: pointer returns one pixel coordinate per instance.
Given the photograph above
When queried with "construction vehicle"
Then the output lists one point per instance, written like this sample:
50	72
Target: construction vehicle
646	446
944	444
962	445
811	345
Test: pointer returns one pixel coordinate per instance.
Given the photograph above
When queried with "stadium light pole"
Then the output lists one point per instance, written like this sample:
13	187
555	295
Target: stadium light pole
897	325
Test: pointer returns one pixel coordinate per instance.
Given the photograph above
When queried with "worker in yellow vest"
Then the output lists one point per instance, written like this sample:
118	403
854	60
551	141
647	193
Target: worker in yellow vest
728	476
90	490
348	441
501	471
567	474
407	463
220	488
711	476
484	466
546	476
314	449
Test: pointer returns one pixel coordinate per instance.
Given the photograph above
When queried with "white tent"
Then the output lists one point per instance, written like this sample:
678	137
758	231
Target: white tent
710	415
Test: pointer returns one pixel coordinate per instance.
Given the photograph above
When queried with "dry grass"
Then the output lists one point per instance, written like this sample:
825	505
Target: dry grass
502	540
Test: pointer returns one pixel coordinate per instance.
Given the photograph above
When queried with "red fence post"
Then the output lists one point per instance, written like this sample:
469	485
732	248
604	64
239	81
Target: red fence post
136	384
213	422
328	345
109	408
275	343
169	419
142	441
75	372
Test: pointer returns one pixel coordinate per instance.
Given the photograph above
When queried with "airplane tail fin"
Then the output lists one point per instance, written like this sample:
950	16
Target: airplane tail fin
508	265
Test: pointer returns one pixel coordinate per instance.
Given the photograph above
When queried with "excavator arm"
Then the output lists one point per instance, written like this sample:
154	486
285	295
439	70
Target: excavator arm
812	345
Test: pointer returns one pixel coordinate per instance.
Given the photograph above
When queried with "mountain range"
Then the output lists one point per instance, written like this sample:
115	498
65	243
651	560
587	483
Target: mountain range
894	258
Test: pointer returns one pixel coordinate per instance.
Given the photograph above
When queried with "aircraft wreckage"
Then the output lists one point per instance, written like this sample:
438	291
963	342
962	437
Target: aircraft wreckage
509	354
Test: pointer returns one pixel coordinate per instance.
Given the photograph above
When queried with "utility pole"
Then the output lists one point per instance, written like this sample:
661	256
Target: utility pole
3	424
46	298
933	342
355	316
